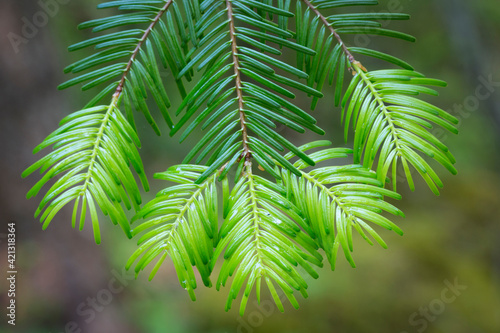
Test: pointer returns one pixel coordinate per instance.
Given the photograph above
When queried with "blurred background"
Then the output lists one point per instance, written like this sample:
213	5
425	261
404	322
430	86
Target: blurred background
443	275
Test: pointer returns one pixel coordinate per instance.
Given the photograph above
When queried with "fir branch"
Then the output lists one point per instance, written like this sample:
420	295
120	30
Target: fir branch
367	104
144	37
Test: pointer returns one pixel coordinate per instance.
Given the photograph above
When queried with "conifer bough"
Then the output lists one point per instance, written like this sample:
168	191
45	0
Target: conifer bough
227	61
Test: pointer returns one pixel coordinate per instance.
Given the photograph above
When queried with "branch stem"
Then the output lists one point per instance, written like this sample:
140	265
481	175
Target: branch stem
246	154
97	144
383	107
255	213
346	51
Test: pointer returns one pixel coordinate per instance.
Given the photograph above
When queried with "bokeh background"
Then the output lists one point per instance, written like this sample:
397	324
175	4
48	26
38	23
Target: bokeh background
449	239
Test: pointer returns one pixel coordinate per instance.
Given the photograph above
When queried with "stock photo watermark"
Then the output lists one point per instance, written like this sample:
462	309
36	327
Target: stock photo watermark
484	90
256	318
420	320
31	25
265	309
486	87
89	309
11	271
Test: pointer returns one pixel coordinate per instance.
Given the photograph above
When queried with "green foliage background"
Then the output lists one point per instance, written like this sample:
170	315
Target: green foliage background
453	236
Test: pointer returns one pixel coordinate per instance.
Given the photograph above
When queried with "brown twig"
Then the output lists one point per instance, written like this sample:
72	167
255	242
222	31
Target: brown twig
232	33
346	51
119	89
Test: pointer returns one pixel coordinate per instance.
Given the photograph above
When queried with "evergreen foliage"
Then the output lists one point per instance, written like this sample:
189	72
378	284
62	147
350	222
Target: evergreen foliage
225	58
